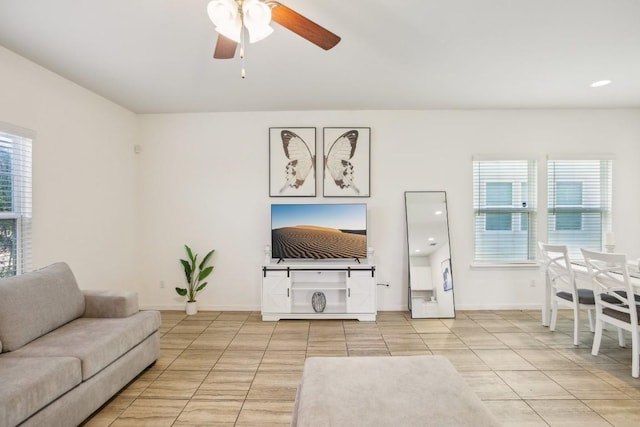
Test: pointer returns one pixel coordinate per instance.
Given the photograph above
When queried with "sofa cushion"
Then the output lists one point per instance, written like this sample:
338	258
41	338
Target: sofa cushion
96	342
38	302
110	303
29	384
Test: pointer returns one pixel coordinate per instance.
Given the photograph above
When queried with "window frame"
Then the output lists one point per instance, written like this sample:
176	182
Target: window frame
523	202
595	173
19	143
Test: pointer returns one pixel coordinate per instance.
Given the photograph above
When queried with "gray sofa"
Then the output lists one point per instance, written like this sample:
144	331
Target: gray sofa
64	352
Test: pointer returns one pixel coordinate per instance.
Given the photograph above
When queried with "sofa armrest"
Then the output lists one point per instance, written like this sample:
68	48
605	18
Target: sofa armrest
107	304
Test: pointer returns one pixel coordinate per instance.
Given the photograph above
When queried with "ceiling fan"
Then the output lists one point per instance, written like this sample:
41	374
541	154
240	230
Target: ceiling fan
232	17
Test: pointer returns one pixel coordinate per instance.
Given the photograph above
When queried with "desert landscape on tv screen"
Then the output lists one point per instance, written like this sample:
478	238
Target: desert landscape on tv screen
319	231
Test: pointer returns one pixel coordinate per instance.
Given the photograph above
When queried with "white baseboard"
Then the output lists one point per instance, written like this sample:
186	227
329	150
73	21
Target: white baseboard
462	307
394	308
203	307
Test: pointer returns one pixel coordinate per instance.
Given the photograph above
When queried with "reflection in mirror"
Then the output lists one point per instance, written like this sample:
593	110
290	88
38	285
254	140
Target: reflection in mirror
430	275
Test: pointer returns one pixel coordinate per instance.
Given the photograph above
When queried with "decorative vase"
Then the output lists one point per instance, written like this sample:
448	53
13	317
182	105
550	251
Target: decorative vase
192	308
318	302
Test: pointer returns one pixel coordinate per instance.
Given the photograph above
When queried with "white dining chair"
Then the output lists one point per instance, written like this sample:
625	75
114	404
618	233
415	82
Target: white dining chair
616	301
564	291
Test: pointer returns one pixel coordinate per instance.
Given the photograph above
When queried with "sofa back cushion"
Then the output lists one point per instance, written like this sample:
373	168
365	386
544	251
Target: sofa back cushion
36	303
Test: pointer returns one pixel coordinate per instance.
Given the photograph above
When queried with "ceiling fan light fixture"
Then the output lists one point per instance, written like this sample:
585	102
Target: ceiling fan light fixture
231	32
222	11
256	17
225	16
259	33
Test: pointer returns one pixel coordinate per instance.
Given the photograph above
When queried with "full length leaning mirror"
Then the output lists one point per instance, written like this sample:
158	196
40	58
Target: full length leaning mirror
430	275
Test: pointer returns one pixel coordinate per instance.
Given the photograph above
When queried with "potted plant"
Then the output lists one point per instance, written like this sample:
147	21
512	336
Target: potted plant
195	274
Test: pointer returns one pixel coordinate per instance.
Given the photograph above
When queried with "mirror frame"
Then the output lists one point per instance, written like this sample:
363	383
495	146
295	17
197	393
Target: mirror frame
409	264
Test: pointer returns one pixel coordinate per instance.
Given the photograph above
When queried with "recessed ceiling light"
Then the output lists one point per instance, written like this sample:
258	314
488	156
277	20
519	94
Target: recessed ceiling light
417	250
431	239
601	83
438	212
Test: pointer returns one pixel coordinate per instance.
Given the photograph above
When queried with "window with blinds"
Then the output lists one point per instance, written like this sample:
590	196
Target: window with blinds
504	203
15	204
579	194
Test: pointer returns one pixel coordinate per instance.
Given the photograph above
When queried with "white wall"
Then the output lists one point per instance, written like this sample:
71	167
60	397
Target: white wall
121	219
204	181
84	173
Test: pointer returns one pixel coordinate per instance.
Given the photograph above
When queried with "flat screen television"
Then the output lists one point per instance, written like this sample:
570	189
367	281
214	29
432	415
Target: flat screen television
319	231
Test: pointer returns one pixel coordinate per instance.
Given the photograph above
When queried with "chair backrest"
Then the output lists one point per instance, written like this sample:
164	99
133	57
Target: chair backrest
610	276
557	266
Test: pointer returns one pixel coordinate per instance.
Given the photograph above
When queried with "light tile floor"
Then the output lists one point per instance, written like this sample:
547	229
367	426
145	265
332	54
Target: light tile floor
233	369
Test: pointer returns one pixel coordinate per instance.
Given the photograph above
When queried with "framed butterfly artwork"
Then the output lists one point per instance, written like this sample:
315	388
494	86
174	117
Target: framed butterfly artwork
346	162
292	162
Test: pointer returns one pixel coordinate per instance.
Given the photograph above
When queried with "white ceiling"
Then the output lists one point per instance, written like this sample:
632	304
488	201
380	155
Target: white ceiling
156	55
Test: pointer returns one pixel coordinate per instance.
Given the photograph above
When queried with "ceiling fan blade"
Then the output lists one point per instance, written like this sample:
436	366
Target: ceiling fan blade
225	48
302	26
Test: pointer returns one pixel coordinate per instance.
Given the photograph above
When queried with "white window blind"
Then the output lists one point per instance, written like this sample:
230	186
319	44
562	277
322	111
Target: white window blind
15	204
504	203
579	193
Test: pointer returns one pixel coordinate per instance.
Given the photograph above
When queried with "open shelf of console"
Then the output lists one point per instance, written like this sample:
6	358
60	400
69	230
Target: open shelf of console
349	291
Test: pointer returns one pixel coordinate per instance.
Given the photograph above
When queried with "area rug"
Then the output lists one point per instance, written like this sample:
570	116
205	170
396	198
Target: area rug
386	391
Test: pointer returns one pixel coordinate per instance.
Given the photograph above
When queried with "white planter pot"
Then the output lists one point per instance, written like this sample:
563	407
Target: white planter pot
192	308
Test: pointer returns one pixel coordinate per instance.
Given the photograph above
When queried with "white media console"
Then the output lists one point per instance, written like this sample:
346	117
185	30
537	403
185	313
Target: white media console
349	291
